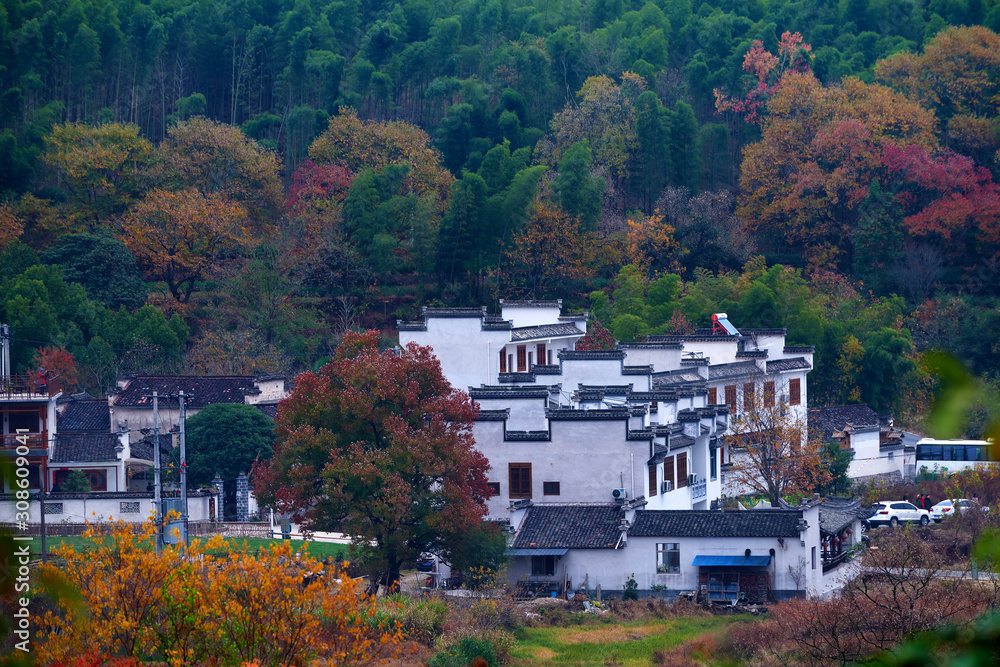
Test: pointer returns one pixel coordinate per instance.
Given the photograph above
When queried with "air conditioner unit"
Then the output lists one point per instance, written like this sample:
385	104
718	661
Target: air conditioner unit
619	494
666	486
692	479
782	398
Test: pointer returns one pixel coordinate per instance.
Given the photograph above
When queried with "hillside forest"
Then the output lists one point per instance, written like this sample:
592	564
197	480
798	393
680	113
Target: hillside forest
227	187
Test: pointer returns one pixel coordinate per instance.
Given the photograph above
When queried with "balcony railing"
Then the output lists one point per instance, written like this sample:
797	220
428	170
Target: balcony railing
29	387
699	490
832	562
32	440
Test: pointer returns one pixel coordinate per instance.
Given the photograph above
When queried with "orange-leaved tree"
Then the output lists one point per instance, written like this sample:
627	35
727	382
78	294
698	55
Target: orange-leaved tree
105	168
208	603
60	362
378	445
356	145
10	227
549	256
177	236
803	182
768	448
218	159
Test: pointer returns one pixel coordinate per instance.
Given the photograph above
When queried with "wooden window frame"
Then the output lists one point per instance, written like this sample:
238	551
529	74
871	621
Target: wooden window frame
668	472
503	361
652	481
682	470
749	392
769	394
731	397
494	488
713	396
515	480
795	391
522	358
550	488
540	353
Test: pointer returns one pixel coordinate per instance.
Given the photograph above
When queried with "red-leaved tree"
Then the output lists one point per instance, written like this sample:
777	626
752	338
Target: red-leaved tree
379	446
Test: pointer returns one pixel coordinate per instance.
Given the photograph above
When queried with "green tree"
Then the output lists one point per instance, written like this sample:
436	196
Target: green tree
227	438
103	265
575	189
878	239
77	482
378	445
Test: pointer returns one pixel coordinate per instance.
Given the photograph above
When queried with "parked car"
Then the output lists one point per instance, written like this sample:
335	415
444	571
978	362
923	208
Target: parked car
425	563
947	508
892	512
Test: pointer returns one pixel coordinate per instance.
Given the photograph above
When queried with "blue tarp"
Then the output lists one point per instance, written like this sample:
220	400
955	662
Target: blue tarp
731	561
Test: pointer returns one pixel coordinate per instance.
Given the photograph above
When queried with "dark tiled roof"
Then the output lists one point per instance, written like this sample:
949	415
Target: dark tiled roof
651	345
824	421
738	369
607	355
203	391
570	527
454	312
569	414
834	521
715	523
778	365
800	349
85	415
493	391
143	449
545	331
530	303
672	378
85	447
493	415
269	410
69	398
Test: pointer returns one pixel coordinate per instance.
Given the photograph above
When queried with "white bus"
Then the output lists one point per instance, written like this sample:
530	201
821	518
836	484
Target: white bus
950	456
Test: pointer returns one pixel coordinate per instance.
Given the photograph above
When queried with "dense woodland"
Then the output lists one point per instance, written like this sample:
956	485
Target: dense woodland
228	187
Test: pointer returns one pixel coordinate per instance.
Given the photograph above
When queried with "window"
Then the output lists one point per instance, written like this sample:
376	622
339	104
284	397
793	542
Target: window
668	558
731	396
522	357
98	479
531	360
713	396
795	391
814	558
550	488
748	393
713	462
130	508
53	508
543	566
494	488
503	361
682	469
23	421
540	353
652	480
550	357
668	471
769	394
520	480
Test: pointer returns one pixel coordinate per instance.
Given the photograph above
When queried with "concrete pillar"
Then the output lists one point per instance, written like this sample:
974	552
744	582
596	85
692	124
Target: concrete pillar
220	501
242	497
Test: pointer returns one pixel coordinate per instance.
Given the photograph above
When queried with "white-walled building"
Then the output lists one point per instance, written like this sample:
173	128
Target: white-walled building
877	447
643	420
752	555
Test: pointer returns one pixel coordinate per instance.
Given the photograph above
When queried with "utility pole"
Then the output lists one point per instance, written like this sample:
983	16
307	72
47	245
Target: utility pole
5	336
184	493
156	468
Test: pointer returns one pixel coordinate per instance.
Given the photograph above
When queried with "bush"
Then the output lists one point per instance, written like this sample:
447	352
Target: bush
419	620
203	603
631	590
464	652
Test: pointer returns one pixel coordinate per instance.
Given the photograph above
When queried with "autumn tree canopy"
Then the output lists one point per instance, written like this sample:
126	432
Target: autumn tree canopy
379	446
768	448
177	236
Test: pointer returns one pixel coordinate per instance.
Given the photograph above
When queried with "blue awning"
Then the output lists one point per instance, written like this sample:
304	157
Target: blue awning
731	561
536	552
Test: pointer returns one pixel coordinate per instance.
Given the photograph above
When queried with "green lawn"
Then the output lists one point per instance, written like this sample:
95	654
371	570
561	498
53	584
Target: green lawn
630	643
316	549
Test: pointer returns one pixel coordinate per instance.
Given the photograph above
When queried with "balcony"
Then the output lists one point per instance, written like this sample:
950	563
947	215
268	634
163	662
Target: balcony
28	387
34	441
699	490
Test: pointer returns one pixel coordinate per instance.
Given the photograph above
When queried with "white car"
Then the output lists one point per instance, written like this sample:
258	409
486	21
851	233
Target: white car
891	512
947	508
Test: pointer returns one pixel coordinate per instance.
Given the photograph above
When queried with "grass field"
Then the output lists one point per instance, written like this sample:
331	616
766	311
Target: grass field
621	643
316	549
